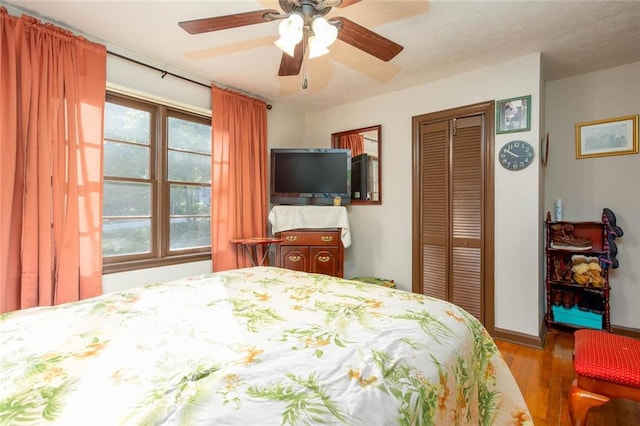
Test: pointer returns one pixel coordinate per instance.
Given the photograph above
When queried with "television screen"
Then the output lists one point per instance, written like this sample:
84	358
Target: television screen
310	176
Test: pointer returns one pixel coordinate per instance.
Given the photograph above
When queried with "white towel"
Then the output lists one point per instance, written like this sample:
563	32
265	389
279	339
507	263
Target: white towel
284	218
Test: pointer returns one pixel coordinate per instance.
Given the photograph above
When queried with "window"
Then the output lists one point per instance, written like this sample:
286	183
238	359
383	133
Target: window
157	185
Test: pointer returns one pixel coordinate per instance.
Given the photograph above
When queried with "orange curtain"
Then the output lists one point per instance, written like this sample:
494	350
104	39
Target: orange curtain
354	142
239	174
52	91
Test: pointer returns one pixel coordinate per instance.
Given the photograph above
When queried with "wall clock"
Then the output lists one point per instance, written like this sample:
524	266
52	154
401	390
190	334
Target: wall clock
516	155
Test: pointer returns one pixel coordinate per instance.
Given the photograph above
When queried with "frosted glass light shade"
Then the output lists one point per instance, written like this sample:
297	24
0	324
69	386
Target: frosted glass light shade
316	47
290	30
324	31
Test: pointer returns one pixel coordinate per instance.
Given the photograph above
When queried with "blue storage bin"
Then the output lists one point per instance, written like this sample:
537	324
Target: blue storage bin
576	317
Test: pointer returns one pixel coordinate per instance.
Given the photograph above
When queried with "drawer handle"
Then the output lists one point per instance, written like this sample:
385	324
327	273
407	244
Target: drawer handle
324	259
294	258
291	237
326	238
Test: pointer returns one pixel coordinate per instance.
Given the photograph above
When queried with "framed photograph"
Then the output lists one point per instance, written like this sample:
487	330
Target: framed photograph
613	136
513	115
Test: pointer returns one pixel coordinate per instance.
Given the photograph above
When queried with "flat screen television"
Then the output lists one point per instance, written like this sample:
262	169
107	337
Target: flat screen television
310	176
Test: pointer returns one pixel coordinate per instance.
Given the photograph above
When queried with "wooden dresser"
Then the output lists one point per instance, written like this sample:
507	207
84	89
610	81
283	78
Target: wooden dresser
317	250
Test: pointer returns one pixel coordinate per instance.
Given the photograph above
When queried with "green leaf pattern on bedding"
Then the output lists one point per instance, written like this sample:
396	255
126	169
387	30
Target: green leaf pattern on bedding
306	402
254	346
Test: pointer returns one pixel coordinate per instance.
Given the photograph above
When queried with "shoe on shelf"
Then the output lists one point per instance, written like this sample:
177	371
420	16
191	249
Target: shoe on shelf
567	300
597	304
585	302
556	297
563	238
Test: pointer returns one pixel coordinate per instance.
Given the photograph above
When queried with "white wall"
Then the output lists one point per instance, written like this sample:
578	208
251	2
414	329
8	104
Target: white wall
381	234
588	185
119	281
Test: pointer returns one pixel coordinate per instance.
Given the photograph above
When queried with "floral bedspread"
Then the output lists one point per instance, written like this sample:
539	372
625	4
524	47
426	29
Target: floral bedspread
254	346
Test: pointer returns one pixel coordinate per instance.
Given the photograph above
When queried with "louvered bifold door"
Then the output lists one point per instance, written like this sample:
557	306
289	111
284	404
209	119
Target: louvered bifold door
435	209
466	215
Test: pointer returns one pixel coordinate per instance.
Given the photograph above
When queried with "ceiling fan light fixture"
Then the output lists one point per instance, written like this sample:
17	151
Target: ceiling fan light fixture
316	47
286	46
325	32
290	30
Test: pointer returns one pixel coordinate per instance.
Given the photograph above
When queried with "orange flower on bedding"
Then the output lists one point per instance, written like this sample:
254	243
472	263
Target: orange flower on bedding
231	381
355	375
131	297
520	417
52	374
263	297
372	303
316	342
454	316
444	395
124	376
93	348
252	355
490	373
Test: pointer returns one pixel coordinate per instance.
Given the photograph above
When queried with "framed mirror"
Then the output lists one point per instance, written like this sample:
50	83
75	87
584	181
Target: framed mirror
365	146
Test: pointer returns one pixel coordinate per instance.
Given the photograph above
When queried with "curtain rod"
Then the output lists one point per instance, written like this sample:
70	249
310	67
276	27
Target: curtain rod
164	72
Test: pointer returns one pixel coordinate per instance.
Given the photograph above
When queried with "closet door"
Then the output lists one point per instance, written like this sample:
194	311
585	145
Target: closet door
466	194
434	203
451	204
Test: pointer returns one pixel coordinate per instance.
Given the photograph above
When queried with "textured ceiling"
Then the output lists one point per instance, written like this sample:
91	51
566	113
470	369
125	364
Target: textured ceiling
440	38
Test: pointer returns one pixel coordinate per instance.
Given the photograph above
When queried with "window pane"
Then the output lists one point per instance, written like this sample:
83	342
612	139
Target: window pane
190	200
186	167
126	236
126	124
126	199
126	160
190	232
189	136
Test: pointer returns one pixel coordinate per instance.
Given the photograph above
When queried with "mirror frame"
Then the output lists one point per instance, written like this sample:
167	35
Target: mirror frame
335	137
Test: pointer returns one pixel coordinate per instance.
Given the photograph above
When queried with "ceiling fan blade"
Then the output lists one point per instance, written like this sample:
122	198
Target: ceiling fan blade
291	65
346	3
367	41
198	26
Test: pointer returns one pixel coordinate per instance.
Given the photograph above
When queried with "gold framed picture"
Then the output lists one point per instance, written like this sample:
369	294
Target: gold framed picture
612	136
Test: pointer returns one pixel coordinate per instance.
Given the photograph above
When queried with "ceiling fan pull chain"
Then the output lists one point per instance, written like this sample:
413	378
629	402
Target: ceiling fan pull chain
305	60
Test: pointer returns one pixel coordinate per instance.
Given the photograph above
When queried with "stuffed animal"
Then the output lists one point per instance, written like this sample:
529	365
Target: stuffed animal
580	269
587	271
595	271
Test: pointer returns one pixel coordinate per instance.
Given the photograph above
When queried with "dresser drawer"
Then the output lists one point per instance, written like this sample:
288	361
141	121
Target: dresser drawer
316	237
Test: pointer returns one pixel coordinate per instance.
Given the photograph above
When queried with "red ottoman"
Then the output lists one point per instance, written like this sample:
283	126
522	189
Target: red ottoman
606	366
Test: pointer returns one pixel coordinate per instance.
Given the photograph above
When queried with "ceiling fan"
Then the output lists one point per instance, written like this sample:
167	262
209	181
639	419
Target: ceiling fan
303	28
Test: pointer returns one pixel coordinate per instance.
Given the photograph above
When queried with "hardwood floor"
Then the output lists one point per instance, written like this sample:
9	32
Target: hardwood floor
544	377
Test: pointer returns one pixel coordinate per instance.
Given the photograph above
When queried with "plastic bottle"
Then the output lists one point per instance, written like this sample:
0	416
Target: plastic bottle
559	210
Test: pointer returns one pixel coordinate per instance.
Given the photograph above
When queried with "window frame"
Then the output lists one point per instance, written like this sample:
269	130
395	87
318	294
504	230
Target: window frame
160	253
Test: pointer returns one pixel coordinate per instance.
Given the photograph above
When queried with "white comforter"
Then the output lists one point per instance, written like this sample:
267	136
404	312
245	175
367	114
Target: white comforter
255	346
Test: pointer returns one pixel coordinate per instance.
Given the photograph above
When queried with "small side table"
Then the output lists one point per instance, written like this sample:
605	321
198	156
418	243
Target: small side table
255	248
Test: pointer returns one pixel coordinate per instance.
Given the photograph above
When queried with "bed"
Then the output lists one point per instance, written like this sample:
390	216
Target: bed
254	346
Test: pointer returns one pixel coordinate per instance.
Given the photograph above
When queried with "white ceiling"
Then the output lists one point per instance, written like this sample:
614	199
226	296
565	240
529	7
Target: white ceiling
440	38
